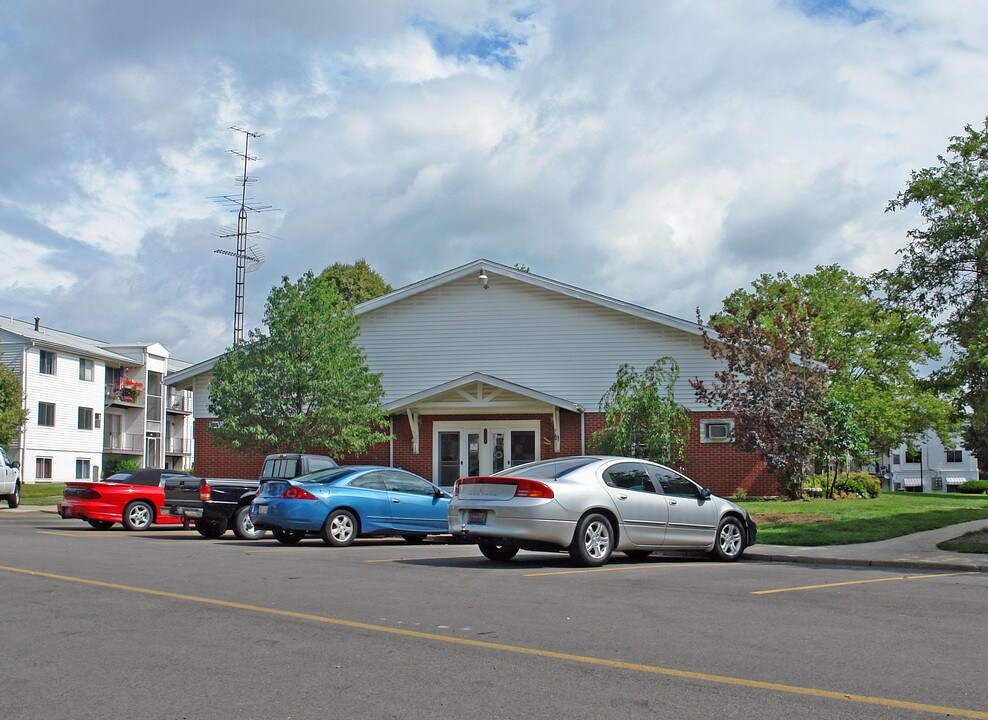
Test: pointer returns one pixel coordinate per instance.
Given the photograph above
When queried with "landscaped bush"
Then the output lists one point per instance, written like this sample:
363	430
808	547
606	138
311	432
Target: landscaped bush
847	485
973	487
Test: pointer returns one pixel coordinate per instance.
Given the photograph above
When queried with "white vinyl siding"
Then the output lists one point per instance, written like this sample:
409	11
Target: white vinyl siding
543	340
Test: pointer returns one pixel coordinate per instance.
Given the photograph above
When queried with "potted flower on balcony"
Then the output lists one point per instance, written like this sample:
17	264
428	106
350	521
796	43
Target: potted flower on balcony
130	390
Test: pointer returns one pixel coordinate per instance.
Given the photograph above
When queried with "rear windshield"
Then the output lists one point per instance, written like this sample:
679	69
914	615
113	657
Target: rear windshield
280	468
325	475
547	469
119	477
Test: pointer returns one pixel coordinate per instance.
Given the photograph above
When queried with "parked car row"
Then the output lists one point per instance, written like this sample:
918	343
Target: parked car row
588	506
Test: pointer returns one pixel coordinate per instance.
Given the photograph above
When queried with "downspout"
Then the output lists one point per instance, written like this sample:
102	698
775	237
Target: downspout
583	429
391	442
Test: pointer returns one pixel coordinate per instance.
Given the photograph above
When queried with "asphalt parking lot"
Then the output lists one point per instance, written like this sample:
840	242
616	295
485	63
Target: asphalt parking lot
166	624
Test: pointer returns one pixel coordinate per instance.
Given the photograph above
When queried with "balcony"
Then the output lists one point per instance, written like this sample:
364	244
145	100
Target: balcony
179	402
127	392
178	446
123	442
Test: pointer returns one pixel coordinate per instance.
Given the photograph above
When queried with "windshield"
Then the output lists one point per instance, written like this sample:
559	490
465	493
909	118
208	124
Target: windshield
325	475
547	469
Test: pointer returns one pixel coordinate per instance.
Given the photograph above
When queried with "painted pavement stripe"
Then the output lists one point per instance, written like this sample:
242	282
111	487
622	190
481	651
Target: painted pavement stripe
859	582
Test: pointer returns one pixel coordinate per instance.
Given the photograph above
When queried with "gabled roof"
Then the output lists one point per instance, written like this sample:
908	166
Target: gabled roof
490	267
489	380
191	371
57	340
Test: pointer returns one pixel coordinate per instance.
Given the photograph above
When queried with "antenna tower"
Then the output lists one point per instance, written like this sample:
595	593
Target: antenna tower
245	253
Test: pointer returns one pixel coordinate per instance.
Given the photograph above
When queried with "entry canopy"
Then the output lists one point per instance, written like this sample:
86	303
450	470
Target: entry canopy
479	393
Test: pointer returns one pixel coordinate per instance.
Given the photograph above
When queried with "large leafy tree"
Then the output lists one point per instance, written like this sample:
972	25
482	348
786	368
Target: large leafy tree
12	413
943	271
357	283
771	382
642	417
304	383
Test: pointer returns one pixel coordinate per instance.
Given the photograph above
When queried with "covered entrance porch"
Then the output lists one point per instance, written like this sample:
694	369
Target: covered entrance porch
479	425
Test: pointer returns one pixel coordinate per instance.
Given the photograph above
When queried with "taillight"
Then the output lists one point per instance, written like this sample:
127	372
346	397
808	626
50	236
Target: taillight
84	493
523	486
298	493
205	492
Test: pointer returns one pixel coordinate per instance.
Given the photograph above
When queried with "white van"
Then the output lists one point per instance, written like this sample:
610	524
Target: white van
10	480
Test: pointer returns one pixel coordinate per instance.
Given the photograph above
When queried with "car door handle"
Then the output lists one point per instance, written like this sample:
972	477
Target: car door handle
673	502
395	500
622	497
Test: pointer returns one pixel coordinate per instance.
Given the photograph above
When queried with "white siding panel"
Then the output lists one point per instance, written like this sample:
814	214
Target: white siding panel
523	334
200	396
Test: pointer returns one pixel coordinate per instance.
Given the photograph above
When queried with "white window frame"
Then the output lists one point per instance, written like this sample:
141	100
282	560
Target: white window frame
83	463
706	424
87	370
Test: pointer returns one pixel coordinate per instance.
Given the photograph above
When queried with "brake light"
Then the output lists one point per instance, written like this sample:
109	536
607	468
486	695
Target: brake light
523	486
84	493
298	493
205	492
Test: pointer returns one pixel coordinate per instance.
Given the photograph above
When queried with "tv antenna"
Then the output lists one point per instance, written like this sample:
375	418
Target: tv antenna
249	257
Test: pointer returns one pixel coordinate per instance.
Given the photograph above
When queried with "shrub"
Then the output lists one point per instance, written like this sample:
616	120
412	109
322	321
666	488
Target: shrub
739	494
973	487
848	484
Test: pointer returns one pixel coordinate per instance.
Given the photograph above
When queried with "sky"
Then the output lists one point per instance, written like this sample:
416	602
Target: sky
663	153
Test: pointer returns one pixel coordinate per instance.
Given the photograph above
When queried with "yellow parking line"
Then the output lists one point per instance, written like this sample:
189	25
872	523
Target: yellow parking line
859	582
521	650
621	568
446	557
81	533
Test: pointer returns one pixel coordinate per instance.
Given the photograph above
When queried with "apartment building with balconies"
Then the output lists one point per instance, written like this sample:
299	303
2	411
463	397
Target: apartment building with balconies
93	404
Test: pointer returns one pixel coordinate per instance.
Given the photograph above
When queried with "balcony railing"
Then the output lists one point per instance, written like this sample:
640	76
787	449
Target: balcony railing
123	393
126	442
179	402
178	446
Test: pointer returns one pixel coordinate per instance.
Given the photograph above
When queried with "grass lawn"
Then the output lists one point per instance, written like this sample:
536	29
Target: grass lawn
841	522
973	542
41	493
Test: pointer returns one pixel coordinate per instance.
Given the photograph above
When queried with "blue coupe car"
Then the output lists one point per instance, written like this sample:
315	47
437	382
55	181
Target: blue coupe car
343	503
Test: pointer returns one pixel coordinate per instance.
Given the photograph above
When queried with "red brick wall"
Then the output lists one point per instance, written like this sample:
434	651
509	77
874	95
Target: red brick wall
722	467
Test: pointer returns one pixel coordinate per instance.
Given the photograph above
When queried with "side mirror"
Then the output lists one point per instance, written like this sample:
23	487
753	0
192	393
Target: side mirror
704	494
15	464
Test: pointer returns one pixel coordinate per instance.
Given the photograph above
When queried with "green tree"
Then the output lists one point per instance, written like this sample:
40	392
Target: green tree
304	383
872	349
356	283
642	417
843	436
771	383
12	412
943	271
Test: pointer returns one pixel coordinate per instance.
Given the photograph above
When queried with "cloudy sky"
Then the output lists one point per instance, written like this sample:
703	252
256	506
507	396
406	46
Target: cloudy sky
661	152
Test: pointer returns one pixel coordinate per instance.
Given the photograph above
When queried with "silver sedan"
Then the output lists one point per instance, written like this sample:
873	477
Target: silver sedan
592	506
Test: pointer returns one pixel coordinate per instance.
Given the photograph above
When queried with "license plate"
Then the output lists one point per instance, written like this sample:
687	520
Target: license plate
477	517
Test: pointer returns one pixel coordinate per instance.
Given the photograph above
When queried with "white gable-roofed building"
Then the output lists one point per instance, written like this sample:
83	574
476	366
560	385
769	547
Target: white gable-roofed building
88	402
486	366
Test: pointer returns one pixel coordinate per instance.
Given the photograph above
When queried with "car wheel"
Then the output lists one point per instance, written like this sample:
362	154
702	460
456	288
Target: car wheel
499	553
413	539
288	537
101	524
729	543
243	526
138	515
211	529
340	528
14	499
593	542
638	554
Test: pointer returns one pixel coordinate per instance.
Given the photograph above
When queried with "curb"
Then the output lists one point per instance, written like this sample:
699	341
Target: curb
860	562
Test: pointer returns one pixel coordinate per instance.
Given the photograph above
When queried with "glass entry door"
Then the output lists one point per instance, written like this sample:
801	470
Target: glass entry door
482	448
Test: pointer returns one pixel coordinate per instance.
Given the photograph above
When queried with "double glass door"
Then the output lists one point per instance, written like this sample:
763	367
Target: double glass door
482	449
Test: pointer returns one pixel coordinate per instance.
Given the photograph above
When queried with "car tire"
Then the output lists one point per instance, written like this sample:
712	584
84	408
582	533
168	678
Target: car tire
729	541
497	552
413	539
288	537
14	499
138	515
243	526
211	529
340	529
637	554
593	541
101	524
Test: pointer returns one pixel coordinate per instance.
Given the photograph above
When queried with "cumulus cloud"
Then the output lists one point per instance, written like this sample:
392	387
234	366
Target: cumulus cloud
662	153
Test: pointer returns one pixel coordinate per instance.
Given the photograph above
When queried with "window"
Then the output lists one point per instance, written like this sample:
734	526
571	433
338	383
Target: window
397	481
46	414
716	431
85	418
628	476
914	456
46	365
42	468
370	481
673	483
97	421
955	456
82	468
85	369
896	459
